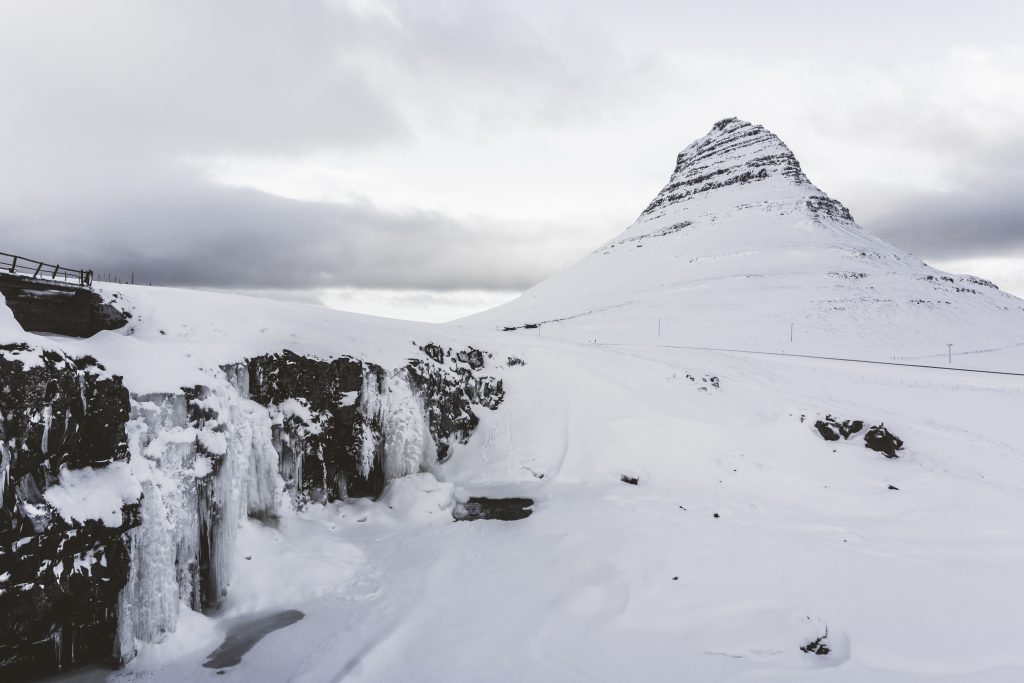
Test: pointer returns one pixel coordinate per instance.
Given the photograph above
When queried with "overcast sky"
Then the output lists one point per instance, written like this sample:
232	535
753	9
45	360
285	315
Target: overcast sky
425	158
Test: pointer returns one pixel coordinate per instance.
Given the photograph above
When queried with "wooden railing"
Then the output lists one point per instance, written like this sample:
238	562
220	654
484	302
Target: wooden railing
19	265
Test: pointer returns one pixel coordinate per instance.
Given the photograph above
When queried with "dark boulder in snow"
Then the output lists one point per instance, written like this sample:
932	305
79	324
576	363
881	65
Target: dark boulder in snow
880	439
472	357
818	646
832	429
67	502
433	352
506	509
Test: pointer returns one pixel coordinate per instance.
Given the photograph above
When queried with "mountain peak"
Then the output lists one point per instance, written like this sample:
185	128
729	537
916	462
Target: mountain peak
736	153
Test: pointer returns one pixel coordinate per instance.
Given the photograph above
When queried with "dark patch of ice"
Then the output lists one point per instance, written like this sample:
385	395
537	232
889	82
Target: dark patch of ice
245	633
507	509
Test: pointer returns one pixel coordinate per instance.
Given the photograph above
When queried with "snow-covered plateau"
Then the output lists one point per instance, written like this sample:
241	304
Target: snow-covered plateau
755	443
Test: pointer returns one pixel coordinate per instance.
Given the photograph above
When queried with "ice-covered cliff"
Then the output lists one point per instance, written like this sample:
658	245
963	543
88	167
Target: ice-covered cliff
121	504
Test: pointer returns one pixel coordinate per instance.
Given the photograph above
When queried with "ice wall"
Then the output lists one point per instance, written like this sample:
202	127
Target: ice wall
265	438
206	461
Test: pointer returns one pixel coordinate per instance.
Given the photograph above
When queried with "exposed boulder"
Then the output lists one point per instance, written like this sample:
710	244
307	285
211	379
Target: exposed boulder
880	439
818	646
832	429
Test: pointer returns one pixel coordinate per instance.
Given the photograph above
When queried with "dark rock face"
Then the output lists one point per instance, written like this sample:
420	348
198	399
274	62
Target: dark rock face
59	580
506	509
56	308
880	439
831	429
629	479
449	393
324	463
337	451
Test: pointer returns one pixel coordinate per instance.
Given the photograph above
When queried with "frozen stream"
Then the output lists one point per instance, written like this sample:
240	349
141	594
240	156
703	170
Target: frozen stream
244	633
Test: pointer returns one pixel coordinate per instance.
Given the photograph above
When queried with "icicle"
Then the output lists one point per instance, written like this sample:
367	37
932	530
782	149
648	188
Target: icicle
200	481
58	646
47	421
404	427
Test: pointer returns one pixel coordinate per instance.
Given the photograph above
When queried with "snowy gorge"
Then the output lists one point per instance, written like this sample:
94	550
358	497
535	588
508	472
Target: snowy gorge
720	487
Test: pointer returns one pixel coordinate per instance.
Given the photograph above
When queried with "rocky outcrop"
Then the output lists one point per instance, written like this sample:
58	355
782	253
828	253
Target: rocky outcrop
62	563
56	308
880	439
344	427
450	388
877	438
832	429
324	430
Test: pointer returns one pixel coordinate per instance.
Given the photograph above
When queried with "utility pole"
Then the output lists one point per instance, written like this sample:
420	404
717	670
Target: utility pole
659	327
949	347
791	332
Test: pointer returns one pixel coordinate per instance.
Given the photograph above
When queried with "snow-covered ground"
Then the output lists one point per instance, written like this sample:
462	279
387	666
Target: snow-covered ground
610	582
747	536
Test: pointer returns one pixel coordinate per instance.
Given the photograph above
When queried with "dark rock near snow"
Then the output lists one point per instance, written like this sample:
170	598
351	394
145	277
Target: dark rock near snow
880	439
627	479
41	305
473	357
449	394
817	646
326	462
322	464
60	580
831	429
433	352
506	509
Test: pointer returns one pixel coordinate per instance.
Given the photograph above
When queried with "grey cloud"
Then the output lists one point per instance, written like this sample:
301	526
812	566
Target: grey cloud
196	234
104	101
956	224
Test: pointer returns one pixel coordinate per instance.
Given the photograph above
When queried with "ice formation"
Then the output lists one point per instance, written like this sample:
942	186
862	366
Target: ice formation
210	457
206	461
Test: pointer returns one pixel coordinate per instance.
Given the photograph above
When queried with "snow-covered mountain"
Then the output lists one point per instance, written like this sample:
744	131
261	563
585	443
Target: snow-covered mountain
740	245
228	488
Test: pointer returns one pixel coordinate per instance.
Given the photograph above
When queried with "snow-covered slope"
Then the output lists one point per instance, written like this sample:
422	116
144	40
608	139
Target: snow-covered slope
749	547
739	246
